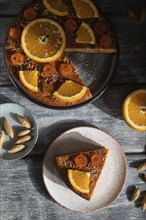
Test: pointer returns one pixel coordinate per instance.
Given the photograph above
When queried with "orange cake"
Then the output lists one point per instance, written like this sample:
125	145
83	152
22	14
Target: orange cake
81	171
37	45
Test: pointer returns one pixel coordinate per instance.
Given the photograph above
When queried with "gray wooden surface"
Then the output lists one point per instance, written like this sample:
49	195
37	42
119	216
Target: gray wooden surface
23	195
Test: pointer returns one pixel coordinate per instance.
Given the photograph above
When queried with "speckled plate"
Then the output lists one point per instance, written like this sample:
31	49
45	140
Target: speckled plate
112	178
9	110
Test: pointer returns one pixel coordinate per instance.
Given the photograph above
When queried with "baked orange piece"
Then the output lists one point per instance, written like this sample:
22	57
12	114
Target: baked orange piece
81	171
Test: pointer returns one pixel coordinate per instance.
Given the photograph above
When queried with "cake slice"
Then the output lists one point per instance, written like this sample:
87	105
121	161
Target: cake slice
87	32
81	171
91	37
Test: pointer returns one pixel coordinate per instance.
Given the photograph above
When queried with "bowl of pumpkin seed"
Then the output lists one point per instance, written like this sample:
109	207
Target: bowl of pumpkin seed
18	131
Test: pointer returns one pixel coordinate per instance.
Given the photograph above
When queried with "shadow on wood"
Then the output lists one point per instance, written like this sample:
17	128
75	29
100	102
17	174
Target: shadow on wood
48	134
4	99
111	101
129	193
35	172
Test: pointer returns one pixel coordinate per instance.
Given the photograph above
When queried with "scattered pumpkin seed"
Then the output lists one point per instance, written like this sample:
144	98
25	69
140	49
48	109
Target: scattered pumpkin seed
135	195
133	17
141	167
143	205
142	16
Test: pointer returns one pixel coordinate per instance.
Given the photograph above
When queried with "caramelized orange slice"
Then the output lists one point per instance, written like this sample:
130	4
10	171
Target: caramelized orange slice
79	180
43	40
70	91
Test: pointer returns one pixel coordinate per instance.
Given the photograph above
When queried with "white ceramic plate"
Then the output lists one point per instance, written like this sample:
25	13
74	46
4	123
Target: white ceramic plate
9	110
111	180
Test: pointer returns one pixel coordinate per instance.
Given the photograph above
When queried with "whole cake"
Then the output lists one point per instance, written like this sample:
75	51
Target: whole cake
38	42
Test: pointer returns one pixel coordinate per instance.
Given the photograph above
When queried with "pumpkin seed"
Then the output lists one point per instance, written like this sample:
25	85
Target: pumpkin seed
135	195
17	148
23	121
23	139
143	205
8	128
2	138
22	133
142	16
141	167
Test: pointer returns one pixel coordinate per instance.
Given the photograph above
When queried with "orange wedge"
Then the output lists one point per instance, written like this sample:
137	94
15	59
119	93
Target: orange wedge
70	91
134	109
85	9
29	78
79	180
57	7
85	34
43	40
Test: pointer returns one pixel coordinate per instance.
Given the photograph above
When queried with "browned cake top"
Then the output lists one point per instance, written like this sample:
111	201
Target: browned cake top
86	161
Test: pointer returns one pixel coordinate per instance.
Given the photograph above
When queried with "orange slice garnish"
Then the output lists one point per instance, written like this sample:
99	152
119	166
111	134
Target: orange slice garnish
79	180
29	78
70	91
85	9
56	7
85	34
43	40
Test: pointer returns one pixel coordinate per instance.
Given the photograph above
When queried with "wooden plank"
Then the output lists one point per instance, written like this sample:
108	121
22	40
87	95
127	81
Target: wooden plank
109	6
105	113
12	7
121	6
4	77
23	194
131	67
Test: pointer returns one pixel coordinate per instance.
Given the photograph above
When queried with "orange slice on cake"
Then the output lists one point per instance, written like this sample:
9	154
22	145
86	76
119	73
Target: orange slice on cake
70	91
56	7
29	78
79	180
85	34
43	40
85	9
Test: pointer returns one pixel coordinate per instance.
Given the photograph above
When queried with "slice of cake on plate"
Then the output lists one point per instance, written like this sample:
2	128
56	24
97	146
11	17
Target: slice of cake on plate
81	171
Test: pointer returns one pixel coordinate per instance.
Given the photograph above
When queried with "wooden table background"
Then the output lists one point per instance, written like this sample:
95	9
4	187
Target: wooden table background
23	195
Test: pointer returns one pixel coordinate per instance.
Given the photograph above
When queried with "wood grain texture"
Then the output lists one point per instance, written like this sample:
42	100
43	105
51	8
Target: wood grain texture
23	194
120	7
10	8
105	113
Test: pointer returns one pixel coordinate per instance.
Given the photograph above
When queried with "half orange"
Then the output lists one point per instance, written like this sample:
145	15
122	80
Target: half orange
134	109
